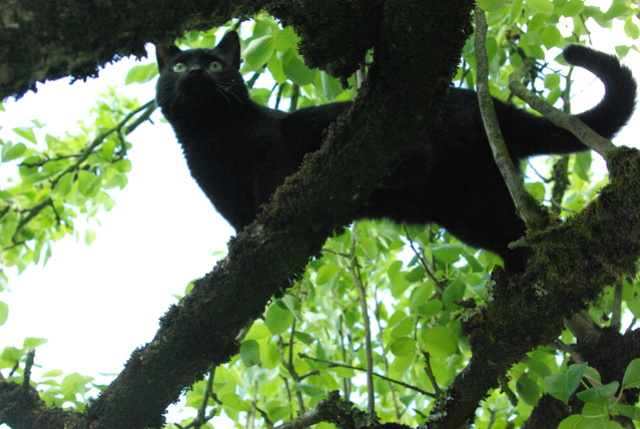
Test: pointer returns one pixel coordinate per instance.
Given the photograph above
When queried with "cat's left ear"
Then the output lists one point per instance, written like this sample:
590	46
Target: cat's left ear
164	53
230	46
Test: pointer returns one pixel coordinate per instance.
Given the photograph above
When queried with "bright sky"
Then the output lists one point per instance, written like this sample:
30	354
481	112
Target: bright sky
97	303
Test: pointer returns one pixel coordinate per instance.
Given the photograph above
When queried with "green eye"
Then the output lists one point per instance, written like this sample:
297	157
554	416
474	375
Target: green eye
215	66
179	67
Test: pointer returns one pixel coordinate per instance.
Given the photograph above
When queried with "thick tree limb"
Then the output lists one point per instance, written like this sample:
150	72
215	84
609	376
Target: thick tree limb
572	264
44	40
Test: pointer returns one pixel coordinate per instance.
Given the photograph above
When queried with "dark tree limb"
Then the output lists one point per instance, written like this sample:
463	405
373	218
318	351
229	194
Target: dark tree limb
45	40
573	262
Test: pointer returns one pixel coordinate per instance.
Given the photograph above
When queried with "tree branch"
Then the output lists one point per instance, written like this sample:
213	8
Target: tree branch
528	209
46	40
569	122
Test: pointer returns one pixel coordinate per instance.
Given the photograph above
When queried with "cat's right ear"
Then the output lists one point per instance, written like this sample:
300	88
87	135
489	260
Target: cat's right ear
230	46
164	53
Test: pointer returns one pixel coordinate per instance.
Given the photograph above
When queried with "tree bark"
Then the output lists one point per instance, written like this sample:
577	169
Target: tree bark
45	40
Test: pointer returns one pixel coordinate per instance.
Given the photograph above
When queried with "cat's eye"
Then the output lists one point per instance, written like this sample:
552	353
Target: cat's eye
215	66
179	67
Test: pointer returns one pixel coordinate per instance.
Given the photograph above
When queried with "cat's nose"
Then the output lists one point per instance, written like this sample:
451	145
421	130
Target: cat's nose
195	69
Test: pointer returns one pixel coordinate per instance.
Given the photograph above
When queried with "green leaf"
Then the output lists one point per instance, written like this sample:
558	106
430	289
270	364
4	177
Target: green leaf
74	384
53	373
310	390
552	81
11	151
293	305
600	395
631	377
326	273
141	74
561	386
453	292
448	253
528	390
551	36
88	183
250	353
275	67
278	319
491	5
573	422
631	29
440	342
582	165
429	309
403	346
542	6
628	411
258	52
4	312
592	374
330	86
573	8
420	296
403	328
296	70
32	343
26	133
123	165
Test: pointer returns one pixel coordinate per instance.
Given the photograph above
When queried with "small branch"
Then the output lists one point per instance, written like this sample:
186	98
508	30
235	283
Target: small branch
440	287
391	380
362	295
429	371
616	311
582	327
569	122
27	368
504	386
332	410
528	209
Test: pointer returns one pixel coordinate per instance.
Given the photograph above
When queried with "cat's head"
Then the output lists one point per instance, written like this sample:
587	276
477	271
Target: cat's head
200	79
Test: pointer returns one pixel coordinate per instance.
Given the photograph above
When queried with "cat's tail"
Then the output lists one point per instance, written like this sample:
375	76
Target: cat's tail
616	107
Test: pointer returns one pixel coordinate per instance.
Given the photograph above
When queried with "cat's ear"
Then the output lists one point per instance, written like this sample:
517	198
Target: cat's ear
164	53
230	46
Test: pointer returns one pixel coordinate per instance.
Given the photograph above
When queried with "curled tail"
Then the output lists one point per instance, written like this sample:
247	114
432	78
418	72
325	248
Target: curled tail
616	107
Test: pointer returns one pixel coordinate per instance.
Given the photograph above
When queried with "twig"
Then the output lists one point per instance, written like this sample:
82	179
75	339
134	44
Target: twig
27	368
569	122
439	286
382	377
560	345
527	207
362	295
432	377
504	386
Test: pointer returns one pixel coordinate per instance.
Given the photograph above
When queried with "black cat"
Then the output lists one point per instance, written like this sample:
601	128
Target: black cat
239	152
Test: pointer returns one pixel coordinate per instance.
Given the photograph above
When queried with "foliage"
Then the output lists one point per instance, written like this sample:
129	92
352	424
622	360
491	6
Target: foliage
384	302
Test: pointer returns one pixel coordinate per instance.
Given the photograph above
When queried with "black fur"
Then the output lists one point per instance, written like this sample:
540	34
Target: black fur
239	152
